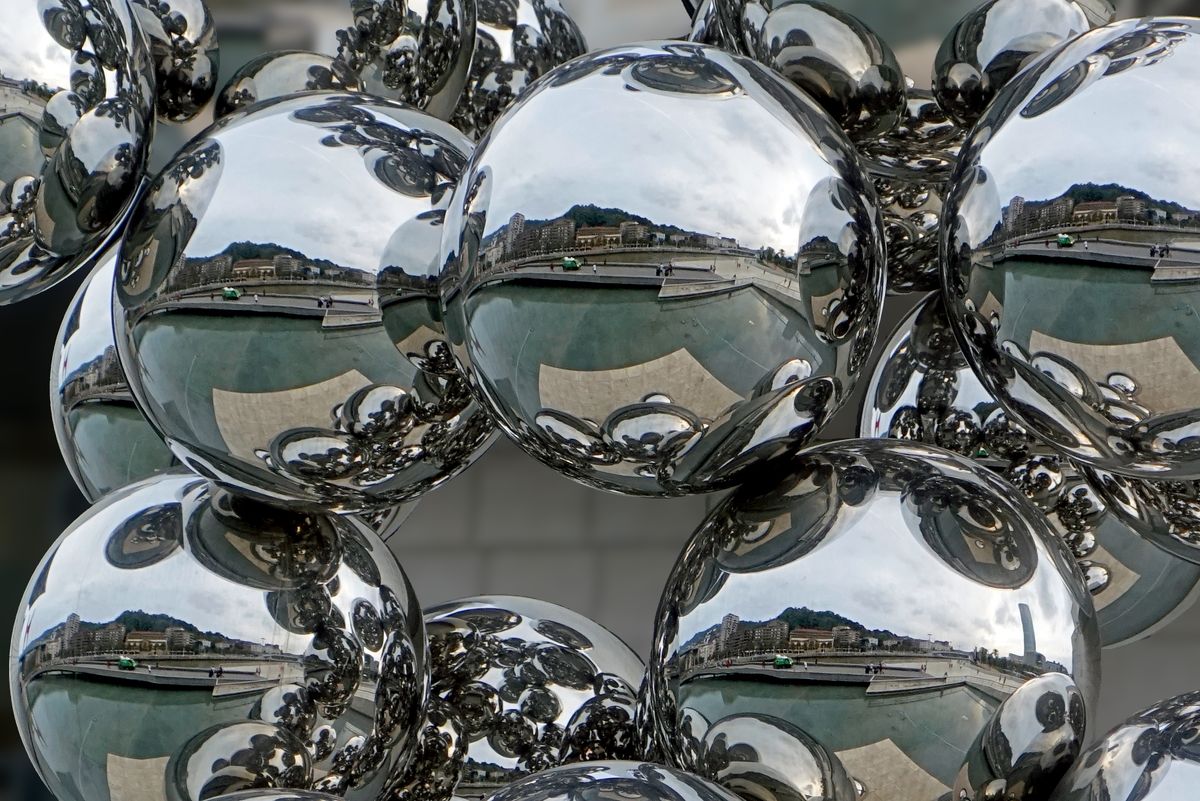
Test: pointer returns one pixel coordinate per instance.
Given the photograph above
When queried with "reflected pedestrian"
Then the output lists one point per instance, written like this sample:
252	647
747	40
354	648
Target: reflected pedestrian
593	269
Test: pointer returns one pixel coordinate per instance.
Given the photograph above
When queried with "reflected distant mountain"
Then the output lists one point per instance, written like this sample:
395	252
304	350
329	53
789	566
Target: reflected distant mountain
130	620
802	618
1091	204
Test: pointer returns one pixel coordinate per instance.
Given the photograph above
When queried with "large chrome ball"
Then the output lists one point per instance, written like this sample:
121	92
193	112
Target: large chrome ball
629	781
516	42
276	306
283	73
840	62
518	686
884	598
922	390
76	110
180	637
183	42
1150	757
1165	513
1057	254
993	42
105	441
663	320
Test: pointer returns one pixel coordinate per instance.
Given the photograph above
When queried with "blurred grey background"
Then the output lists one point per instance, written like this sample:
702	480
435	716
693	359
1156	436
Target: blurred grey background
508	525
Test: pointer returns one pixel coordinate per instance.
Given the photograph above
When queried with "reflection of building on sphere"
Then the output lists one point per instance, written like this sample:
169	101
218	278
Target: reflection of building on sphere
958	597
1114	383
307	351
224	630
638	330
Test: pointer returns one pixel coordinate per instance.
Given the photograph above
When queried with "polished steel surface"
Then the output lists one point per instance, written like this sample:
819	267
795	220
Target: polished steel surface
991	44
181	637
1166	513
1028	745
829	54
1070	251
276	304
283	73
911	165
629	781
416	51
275	795
76	115
1150	757
183	43
708	28
516	42
518	686
885	598
922	390
646	316
105	441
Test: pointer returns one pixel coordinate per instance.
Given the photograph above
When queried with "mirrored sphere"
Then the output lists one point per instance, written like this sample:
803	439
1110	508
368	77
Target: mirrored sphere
183	43
884	598
993	42
76	106
629	781
283	73
831	55
1165	513
1028	745
708	28
1150	757
1068	268
180	637
105	441
516	42
518	686
276	795
666	319
416	51
922	390
276	304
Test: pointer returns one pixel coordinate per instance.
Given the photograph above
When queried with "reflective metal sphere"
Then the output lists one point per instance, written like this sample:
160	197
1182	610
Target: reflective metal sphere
180	637
1166	513
884	598
276	795
276	304
665	320
417	51
1028	745
708	28
992	43
76	108
1150	757
183	42
629	781
516	42
832	56
1068	268
911	166
519	686
764	758
922	390
284	73
104	439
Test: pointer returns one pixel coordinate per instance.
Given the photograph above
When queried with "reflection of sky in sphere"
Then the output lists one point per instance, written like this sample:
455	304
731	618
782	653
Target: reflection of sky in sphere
720	164
94	332
27	52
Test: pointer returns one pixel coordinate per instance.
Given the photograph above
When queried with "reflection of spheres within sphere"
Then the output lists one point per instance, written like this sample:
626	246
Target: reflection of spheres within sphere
942	591
104	439
1056	294
629	781
284	73
76	105
276	304
922	390
520	685
183	42
1150	757
205	643
662	327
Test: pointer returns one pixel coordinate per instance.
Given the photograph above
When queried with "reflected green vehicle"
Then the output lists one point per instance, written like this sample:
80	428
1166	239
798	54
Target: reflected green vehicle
570	264
783	661
125	663
229	293
1066	241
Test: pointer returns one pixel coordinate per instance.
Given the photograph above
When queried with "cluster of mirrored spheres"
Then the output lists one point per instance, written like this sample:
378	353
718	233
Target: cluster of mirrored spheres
661	269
